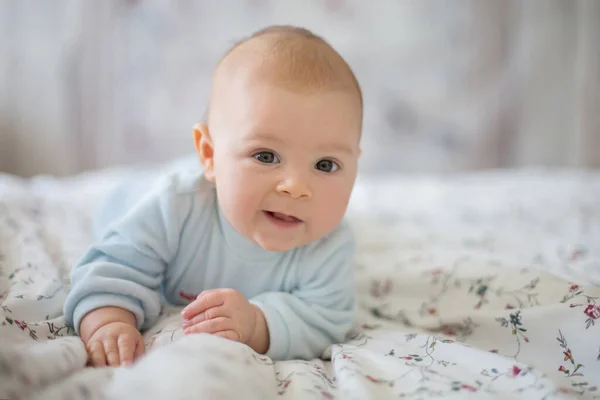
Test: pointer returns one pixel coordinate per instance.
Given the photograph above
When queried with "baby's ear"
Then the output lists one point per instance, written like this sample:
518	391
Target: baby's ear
205	150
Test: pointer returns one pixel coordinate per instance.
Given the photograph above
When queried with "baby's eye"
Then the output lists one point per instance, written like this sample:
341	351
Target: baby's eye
267	157
327	166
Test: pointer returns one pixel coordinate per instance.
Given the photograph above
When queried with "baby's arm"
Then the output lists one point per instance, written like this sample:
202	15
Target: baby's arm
118	279
287	325
320	312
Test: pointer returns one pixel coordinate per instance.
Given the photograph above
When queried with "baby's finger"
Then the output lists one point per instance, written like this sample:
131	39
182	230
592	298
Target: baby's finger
96	351
126	349
205	300
220	311
230	334
140	349
112	352
214	325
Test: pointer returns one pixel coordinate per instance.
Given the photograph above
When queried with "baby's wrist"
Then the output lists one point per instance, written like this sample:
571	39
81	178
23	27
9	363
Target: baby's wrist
100	317
259	340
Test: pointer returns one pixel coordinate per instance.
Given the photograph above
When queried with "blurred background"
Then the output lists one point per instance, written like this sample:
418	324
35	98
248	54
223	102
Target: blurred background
449	86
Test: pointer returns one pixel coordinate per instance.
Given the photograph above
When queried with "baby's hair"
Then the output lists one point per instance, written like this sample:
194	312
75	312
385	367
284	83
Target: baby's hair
297	59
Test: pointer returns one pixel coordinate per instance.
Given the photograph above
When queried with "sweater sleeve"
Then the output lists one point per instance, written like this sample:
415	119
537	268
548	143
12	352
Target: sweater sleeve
320	311
125	268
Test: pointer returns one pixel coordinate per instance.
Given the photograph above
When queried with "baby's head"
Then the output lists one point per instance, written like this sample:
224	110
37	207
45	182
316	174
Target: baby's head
281	137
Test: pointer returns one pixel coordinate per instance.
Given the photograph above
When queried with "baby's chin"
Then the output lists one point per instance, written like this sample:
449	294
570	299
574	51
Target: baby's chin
277	246
275	243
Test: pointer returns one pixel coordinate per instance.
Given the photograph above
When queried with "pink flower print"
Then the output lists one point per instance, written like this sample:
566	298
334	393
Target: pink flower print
449	331
21	324
566	390
515	371
468	387
577	254
574	288
592	311
432	311
532	284
568	355
563	369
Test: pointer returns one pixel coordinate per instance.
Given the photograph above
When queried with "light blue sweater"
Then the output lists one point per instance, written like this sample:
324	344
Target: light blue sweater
174	243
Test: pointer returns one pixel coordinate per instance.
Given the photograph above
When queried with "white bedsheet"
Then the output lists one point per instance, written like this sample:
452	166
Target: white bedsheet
485	284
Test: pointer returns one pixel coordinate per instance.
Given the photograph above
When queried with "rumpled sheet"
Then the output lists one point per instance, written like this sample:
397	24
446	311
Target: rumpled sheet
480	284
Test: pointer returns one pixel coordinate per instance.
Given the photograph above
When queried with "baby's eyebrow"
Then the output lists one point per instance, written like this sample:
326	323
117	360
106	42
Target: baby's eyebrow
269	137
337	147
264	137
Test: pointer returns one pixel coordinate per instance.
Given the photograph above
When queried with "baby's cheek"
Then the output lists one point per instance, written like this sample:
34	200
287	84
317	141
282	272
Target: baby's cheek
241	201
324	220
331	209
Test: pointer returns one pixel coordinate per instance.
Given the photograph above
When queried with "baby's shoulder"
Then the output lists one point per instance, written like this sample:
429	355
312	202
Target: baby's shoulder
183	179
179	193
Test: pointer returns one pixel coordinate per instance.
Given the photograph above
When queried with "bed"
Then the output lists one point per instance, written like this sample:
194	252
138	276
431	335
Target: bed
483	284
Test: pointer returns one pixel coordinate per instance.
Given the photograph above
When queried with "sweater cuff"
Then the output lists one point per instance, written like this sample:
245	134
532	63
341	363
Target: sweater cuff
95	301
278	332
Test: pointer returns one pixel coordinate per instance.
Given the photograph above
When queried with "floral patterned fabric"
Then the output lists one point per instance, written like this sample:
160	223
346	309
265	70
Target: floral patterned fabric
484	284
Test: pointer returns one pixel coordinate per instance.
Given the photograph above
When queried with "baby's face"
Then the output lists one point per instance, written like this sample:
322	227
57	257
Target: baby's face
285	162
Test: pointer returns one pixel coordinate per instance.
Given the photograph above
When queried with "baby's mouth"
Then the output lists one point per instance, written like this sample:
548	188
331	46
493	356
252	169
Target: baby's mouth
283	217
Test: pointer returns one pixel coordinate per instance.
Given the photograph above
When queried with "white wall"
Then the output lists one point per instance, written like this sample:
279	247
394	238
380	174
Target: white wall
448	86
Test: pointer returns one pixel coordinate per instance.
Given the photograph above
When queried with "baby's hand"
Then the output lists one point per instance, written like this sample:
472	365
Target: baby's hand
114	344
227	313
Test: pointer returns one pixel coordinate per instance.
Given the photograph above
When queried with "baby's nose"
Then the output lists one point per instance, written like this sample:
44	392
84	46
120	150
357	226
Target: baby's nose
294	188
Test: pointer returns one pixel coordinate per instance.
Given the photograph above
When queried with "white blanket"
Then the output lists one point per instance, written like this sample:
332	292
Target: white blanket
485	284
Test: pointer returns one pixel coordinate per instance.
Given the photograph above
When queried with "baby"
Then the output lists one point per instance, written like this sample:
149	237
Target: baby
251	237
